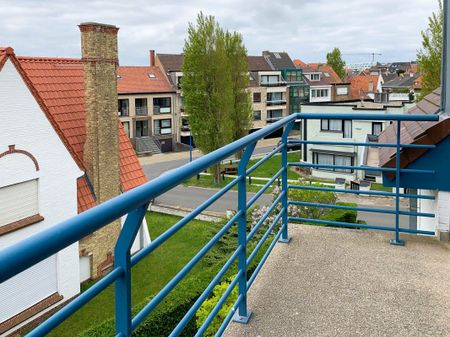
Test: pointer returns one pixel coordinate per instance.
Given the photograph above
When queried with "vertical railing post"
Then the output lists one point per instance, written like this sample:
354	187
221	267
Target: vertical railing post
397	241
284	238
243	314
122	260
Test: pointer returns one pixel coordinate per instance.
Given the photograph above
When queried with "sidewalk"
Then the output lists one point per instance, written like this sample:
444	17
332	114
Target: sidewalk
184	155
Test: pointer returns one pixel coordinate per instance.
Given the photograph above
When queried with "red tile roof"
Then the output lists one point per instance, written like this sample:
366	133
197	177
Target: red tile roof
133	80
85	195
58	85
300	64
4	55
360	85
415	132
325	68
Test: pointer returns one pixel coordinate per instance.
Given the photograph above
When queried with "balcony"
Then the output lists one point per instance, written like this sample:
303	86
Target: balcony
279	83
159	110
276	102
325	280
141	110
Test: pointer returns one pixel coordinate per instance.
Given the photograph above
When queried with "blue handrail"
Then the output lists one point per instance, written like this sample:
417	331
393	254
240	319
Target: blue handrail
134	204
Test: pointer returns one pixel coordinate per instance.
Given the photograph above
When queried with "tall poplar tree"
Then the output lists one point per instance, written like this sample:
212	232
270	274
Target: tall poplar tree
207	86
241	115
429	57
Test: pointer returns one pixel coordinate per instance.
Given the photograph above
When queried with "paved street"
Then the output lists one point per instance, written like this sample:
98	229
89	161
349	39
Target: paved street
191	197
155	169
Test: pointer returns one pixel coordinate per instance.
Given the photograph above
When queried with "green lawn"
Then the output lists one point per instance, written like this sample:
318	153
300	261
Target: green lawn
380	187
266	170
150	275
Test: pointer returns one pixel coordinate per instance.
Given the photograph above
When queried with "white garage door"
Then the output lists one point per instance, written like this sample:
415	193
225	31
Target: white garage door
28	288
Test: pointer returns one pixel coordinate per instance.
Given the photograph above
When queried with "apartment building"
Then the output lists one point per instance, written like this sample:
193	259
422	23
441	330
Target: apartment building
146	108
267	87
346	131
268	90
297	87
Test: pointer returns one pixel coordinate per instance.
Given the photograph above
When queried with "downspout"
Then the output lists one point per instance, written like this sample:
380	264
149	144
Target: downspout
445	73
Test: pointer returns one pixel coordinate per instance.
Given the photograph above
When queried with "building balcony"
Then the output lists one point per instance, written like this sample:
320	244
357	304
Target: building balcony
141	111
276	102
339	278
273	84
159	110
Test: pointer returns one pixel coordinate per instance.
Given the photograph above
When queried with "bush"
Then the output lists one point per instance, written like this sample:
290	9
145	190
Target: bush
342	215
209	305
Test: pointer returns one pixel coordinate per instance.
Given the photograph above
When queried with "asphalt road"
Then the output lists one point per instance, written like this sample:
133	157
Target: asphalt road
154	170
191	197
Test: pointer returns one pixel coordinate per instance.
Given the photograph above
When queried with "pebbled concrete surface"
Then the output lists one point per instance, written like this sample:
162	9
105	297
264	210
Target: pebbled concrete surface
341	282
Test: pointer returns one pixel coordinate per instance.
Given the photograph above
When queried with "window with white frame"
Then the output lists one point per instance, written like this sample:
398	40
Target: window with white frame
337	125
333	160
162	126
319	93
314	77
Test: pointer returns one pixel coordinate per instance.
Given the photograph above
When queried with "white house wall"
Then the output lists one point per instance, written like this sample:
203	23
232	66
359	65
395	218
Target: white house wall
26	126
360	130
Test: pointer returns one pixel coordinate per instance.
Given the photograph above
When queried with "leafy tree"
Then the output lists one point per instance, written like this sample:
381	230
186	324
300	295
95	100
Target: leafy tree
207	86
430	56
241	114
334	59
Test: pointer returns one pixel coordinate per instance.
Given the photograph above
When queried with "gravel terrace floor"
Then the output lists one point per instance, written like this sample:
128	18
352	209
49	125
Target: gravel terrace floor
343	282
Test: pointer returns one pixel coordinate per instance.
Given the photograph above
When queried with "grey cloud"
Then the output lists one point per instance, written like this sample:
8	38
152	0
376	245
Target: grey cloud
307	29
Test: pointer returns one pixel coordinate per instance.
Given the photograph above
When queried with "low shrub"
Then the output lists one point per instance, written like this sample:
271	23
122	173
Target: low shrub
342	215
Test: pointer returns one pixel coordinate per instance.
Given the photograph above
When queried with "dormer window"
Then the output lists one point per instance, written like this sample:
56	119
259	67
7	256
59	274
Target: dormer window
314	77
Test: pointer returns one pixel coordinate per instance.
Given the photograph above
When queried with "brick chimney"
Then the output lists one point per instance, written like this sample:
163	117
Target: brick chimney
152	57
101	150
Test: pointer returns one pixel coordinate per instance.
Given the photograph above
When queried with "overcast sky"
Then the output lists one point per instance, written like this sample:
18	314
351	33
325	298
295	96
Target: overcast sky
306	29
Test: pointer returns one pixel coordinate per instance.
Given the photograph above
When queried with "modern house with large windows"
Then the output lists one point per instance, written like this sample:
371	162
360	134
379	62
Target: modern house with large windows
147	108
355	131
268	91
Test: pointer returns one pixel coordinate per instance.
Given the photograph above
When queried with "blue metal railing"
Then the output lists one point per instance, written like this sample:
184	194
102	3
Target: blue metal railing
134	204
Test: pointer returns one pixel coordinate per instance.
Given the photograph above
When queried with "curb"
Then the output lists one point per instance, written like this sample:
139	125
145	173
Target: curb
181	211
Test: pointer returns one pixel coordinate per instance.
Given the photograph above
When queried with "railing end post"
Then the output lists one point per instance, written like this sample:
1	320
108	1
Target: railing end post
396	242
242	319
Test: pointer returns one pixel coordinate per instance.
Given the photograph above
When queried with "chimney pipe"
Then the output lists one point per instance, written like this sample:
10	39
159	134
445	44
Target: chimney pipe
101	149
152	57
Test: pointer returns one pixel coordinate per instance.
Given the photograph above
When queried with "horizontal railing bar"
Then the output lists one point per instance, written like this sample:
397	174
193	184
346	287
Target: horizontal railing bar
265	216
353	225
180	224
264	188
361	168
17	258
264	258
228	318
265	236
191	312
219	305
264	159
375	193
58	317
182	273
366	117
317	142
359	209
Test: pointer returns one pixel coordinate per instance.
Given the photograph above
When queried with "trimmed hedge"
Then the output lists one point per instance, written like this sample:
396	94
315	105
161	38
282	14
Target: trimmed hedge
342	215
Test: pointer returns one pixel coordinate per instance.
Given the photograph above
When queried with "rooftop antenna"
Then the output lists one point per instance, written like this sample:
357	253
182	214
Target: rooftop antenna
445	76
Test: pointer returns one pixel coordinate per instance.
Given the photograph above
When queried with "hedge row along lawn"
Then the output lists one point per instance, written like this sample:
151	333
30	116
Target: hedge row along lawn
148	276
